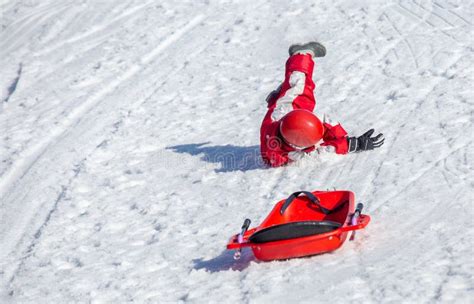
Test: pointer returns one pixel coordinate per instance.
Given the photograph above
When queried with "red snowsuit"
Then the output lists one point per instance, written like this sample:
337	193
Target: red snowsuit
296	92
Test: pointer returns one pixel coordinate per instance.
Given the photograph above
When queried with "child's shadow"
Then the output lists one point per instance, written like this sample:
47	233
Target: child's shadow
225	261
231	158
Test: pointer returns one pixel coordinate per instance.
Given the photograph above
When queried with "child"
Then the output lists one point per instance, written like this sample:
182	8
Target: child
290	129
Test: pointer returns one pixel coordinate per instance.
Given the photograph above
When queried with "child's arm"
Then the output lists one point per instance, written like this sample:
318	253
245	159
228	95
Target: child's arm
336	137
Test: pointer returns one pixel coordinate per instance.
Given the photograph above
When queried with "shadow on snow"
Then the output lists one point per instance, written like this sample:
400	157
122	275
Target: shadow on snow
231	158
225	261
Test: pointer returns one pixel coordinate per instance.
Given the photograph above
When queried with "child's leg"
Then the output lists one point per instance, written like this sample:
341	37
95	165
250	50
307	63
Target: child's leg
296	91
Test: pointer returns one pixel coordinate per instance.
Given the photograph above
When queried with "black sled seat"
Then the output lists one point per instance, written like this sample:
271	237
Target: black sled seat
297	229
293	230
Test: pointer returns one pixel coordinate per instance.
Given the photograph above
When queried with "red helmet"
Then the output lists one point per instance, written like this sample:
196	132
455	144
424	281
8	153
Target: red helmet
301	128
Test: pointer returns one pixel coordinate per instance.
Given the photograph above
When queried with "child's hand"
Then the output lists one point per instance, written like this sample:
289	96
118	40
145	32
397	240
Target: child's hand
365	142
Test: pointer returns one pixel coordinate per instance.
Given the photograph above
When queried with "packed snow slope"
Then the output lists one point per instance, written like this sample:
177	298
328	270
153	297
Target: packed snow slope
129	149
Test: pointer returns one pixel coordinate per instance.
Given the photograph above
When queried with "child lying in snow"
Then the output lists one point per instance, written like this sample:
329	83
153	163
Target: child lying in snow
290	129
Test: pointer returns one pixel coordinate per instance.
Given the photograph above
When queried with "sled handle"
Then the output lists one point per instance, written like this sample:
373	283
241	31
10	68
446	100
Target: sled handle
355	218
310	195
357	213
244	229
362	221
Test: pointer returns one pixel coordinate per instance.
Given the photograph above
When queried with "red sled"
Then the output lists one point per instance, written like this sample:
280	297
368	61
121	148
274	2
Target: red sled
314	223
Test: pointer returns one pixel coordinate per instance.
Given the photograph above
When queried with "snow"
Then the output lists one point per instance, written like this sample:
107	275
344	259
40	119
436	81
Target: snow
129	149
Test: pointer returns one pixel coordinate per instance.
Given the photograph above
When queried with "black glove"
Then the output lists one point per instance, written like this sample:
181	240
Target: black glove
365	142
273	94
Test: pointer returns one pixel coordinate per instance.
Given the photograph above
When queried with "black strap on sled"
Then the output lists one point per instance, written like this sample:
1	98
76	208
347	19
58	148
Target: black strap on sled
293	230
308	194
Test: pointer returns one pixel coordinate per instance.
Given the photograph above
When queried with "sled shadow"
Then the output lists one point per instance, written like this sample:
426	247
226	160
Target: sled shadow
231	158
225	261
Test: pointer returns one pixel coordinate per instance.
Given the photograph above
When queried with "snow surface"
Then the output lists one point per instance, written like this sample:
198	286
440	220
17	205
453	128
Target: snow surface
129	149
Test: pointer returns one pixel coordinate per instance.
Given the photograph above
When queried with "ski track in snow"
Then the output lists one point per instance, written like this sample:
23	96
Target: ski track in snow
20	167
115	178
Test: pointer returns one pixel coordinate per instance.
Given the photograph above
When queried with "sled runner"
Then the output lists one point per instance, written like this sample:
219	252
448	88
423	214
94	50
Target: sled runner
306	223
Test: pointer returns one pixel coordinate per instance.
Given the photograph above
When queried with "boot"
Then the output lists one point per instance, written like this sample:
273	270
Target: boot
314	48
